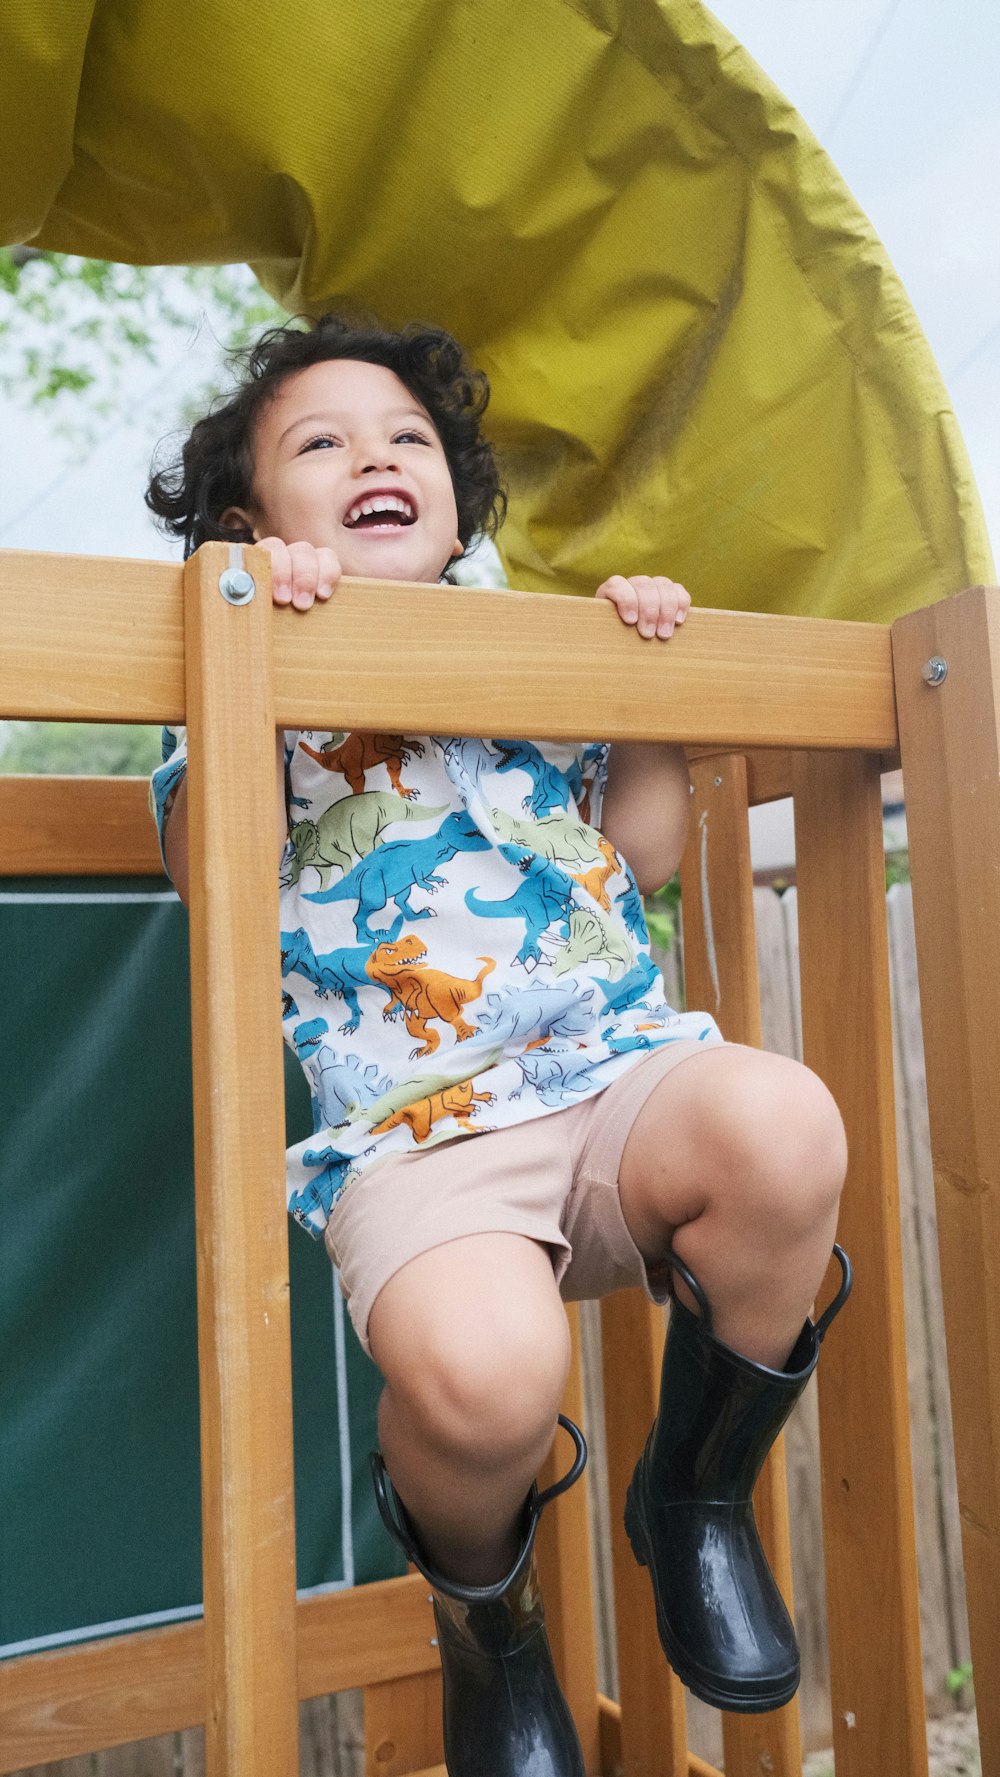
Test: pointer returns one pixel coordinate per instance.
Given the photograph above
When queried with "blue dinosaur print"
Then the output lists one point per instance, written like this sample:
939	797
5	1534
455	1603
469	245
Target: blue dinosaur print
398	867
639	1039
341	1084
551	789
556	1075
545	895
471	757
629	905
323	1189
518	1013
628	991
340	972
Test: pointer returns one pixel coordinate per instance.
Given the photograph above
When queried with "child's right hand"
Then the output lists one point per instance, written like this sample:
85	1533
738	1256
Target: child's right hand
300	574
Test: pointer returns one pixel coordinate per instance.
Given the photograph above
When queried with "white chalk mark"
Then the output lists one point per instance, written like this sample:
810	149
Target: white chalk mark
706	909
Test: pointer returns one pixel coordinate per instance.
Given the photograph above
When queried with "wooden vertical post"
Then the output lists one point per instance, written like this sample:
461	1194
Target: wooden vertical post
243	1311
653	1729
950	744
404	1729
876	1679
720	976
563	1550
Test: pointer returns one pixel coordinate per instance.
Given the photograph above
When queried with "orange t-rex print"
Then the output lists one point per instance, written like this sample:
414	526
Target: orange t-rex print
357	753
594	879
424	993
455	1101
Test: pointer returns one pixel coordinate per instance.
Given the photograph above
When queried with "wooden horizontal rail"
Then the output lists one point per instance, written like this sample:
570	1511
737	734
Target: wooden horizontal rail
77	826
97	639
101	826
77	1700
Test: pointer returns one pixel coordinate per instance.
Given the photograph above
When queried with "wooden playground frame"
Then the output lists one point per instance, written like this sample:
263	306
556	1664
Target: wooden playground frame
768	706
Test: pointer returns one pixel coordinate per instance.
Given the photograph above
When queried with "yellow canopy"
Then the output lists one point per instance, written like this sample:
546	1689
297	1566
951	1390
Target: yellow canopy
702	361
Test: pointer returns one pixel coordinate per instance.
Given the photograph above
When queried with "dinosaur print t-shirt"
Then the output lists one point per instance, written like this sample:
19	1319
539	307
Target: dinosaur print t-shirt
461	948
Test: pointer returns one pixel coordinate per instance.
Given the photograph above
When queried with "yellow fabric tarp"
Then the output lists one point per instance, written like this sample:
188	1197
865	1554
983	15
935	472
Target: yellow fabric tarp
702	361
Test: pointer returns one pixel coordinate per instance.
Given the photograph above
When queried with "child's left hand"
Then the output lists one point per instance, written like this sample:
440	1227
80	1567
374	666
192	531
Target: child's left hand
653	603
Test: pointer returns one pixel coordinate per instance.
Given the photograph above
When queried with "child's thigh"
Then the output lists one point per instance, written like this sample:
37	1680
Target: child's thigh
472	1317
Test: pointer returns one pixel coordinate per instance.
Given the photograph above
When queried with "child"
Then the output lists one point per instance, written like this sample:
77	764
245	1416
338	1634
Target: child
465	955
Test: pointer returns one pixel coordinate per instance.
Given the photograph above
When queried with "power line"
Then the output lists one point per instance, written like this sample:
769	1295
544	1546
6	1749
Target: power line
966	363
868	55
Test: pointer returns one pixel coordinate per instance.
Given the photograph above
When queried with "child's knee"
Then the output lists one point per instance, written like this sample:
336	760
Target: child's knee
793	1143
485	1392
772	1142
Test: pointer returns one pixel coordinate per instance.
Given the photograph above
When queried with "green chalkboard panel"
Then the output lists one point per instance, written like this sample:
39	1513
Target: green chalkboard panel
99	1484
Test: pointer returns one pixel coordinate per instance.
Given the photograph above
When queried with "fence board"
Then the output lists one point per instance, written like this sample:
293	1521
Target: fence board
927	1305
935	1628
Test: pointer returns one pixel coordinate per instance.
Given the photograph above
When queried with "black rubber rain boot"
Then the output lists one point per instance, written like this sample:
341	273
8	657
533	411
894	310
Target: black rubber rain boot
504	1714
721	1618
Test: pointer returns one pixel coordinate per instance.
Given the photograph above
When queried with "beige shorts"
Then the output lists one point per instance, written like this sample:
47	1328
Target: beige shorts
554	1180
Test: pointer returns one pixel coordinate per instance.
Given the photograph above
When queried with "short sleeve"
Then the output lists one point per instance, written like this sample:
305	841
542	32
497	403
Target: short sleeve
166	779
594	772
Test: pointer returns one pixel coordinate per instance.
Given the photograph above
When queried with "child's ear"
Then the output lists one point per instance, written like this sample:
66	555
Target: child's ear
458	547
235	518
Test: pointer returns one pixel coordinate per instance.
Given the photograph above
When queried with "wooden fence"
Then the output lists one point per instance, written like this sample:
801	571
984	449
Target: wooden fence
332	1728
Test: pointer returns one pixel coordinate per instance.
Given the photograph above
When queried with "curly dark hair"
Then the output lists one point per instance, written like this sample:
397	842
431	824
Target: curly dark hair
214	469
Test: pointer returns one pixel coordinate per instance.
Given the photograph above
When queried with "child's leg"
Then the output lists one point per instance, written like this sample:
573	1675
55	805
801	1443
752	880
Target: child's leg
472	1340
737	1159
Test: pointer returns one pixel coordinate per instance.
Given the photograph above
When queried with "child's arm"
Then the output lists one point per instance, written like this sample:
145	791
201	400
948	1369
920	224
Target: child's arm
647	801
175	833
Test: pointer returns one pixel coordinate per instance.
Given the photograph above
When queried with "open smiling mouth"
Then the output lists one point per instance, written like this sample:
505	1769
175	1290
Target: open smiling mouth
381	512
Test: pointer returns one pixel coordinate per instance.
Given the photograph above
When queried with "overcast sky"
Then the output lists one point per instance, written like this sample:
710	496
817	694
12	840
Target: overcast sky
905	95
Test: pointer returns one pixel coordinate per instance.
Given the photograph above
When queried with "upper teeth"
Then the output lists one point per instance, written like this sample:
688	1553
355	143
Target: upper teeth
380	503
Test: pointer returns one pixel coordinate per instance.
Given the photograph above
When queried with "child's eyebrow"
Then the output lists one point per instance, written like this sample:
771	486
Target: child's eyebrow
394	415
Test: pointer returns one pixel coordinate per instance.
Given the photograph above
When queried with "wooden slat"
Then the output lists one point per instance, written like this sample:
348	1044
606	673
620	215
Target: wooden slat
107	1693
77	826
403	1725
869	1539
611	1746
720	973
368	1635
564	1571
244	1348
653	1737
89	639
950	742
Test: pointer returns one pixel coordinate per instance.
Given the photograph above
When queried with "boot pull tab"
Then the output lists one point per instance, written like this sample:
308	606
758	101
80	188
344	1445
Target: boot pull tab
572	1474
688	1277
846	1280
390	1511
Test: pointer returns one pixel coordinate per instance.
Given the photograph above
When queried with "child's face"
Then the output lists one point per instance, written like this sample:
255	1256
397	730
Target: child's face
340	435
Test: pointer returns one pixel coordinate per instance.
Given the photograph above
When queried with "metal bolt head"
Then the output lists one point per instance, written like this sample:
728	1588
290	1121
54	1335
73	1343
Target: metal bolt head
237	586
935	670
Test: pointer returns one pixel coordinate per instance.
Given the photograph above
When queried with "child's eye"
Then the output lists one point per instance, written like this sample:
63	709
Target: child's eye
316	443
410	438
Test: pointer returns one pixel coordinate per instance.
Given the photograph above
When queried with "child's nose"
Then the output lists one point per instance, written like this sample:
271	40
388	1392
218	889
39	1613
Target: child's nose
375	459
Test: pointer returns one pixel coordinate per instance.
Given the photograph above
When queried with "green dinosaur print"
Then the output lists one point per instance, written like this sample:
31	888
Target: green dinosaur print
593	939
351	828
556	837
419	1086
